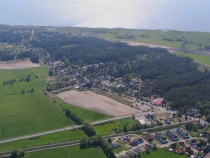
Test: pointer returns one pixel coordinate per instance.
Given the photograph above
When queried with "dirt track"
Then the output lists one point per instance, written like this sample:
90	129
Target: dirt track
20	64
96	102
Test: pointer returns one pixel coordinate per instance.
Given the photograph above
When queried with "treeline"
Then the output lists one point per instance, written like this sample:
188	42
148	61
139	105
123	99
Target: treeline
95	142
12	81
5	56
9	82
89	129
170	39
26	54
73	117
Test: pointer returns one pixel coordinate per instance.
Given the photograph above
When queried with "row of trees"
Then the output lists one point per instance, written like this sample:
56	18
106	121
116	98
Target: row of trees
9	82
23	91
89	129
73	117
5	56
98	141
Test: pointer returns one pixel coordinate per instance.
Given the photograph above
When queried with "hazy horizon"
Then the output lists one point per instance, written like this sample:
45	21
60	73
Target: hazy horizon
188	15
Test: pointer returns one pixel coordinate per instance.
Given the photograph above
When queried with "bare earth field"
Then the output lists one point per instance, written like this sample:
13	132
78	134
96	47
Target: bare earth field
20	64
170	49
96	102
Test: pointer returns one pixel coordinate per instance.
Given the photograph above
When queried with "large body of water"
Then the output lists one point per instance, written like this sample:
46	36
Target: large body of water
189	15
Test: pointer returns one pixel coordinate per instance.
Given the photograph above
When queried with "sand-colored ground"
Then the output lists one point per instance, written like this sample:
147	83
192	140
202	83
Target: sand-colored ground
19	64
170	49
96	102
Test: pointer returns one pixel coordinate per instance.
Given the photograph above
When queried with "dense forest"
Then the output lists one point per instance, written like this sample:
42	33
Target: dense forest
175	78
10	37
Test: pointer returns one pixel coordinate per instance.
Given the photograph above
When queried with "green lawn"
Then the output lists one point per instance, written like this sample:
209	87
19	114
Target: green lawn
198	57
121	148
69	152
109	127
162	153
44	140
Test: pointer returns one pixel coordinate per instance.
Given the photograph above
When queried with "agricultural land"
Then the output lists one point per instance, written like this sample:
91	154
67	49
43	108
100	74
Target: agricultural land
115	93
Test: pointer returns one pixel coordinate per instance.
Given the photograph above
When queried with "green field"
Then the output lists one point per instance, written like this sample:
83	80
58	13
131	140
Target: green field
44	140
162	153
192	40
28	113
69	152
85	114
109	127
198	57
66	135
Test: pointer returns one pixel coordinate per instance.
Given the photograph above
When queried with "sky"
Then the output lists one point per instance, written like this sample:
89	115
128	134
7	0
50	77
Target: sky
187	15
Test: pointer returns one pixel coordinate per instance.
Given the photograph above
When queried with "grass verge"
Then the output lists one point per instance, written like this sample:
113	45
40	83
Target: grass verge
69	152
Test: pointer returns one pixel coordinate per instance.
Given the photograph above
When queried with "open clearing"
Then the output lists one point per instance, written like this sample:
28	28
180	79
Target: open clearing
96	102
20	64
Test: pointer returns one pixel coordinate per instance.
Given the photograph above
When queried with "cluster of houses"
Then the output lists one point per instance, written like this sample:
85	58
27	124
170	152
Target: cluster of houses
136	148
183	133
136	142
172	135
57	65
161	137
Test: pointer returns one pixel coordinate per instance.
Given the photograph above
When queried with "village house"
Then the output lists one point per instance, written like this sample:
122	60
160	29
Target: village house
184	134
189	151
172	135
148	137
161	138
201	124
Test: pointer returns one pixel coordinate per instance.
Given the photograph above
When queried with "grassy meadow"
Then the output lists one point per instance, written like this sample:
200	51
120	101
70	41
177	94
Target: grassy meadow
67	135
162	153
44	140
28	113
192	40
85	114
69	152
118	124
198	57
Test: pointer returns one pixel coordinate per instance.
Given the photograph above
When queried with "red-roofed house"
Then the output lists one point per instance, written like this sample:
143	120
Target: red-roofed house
148	136
158	101
189	151
180	151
